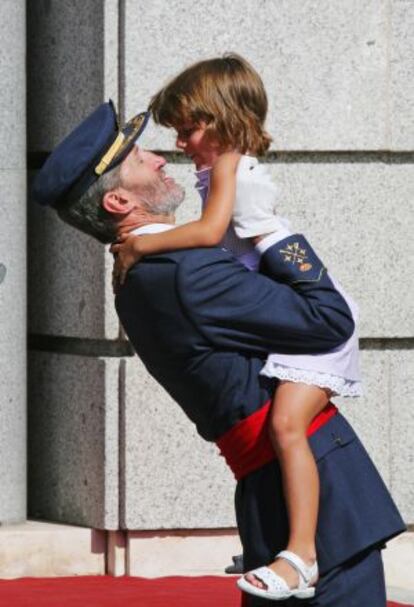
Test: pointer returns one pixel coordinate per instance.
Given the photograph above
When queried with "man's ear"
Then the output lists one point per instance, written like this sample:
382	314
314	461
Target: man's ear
115	203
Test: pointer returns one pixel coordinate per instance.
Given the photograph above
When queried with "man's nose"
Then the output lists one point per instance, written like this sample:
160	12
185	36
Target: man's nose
157	161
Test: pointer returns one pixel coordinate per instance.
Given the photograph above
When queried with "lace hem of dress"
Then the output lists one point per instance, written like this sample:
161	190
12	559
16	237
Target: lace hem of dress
340	386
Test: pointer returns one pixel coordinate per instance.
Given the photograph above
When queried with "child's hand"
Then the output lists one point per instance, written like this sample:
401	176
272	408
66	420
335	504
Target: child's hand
127	253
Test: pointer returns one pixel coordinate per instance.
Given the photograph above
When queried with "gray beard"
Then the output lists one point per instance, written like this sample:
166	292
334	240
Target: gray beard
162	201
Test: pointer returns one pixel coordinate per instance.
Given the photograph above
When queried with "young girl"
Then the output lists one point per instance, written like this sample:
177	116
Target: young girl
218	108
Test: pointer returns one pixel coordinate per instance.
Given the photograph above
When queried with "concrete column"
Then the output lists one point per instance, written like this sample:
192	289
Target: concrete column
12	263
73	328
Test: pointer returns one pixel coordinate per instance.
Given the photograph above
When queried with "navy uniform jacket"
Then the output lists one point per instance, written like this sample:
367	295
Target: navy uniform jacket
202	325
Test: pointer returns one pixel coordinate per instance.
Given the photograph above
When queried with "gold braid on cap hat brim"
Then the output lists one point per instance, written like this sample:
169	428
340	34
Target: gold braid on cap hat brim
110	154
120	143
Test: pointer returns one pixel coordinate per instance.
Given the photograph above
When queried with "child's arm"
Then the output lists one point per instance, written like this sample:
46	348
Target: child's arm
207	231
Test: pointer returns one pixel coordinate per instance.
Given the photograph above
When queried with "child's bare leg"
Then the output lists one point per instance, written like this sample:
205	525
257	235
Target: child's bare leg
294	407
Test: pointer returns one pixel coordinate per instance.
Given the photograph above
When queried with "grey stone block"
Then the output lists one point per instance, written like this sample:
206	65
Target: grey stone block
358	217
171	478
13	79
73	440
324	64
111	50
401	429
13	346
402	75
69	280
384	420
66	42
370	414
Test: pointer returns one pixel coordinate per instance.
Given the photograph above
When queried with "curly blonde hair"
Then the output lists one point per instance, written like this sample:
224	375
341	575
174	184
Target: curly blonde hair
224	92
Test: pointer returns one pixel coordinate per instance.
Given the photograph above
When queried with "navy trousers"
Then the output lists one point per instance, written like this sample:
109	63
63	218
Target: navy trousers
357	583
356	517
356	511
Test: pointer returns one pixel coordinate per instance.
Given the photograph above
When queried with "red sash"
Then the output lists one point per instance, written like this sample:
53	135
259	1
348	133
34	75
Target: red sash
247	446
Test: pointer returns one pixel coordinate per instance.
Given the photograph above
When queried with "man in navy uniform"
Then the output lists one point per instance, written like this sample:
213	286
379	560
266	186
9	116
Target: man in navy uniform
203	325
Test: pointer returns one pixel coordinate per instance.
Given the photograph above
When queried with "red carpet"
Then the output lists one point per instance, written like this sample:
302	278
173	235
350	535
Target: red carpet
105	591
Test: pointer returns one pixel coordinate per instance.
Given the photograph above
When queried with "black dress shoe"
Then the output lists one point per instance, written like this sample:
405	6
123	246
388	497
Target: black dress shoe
237	566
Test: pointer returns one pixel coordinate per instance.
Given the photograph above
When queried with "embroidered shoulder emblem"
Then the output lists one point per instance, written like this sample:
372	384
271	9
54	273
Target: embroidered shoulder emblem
296	255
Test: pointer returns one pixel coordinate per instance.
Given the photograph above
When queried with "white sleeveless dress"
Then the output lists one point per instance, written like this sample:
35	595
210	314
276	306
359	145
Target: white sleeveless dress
336	370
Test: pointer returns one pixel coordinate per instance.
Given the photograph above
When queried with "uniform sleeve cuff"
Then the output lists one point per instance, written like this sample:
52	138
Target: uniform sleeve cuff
271	239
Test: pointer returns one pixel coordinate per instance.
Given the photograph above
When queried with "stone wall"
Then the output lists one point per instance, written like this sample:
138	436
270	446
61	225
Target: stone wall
73	399
107	447
13	263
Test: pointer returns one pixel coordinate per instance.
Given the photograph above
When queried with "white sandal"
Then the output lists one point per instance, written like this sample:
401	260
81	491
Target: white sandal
276	587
